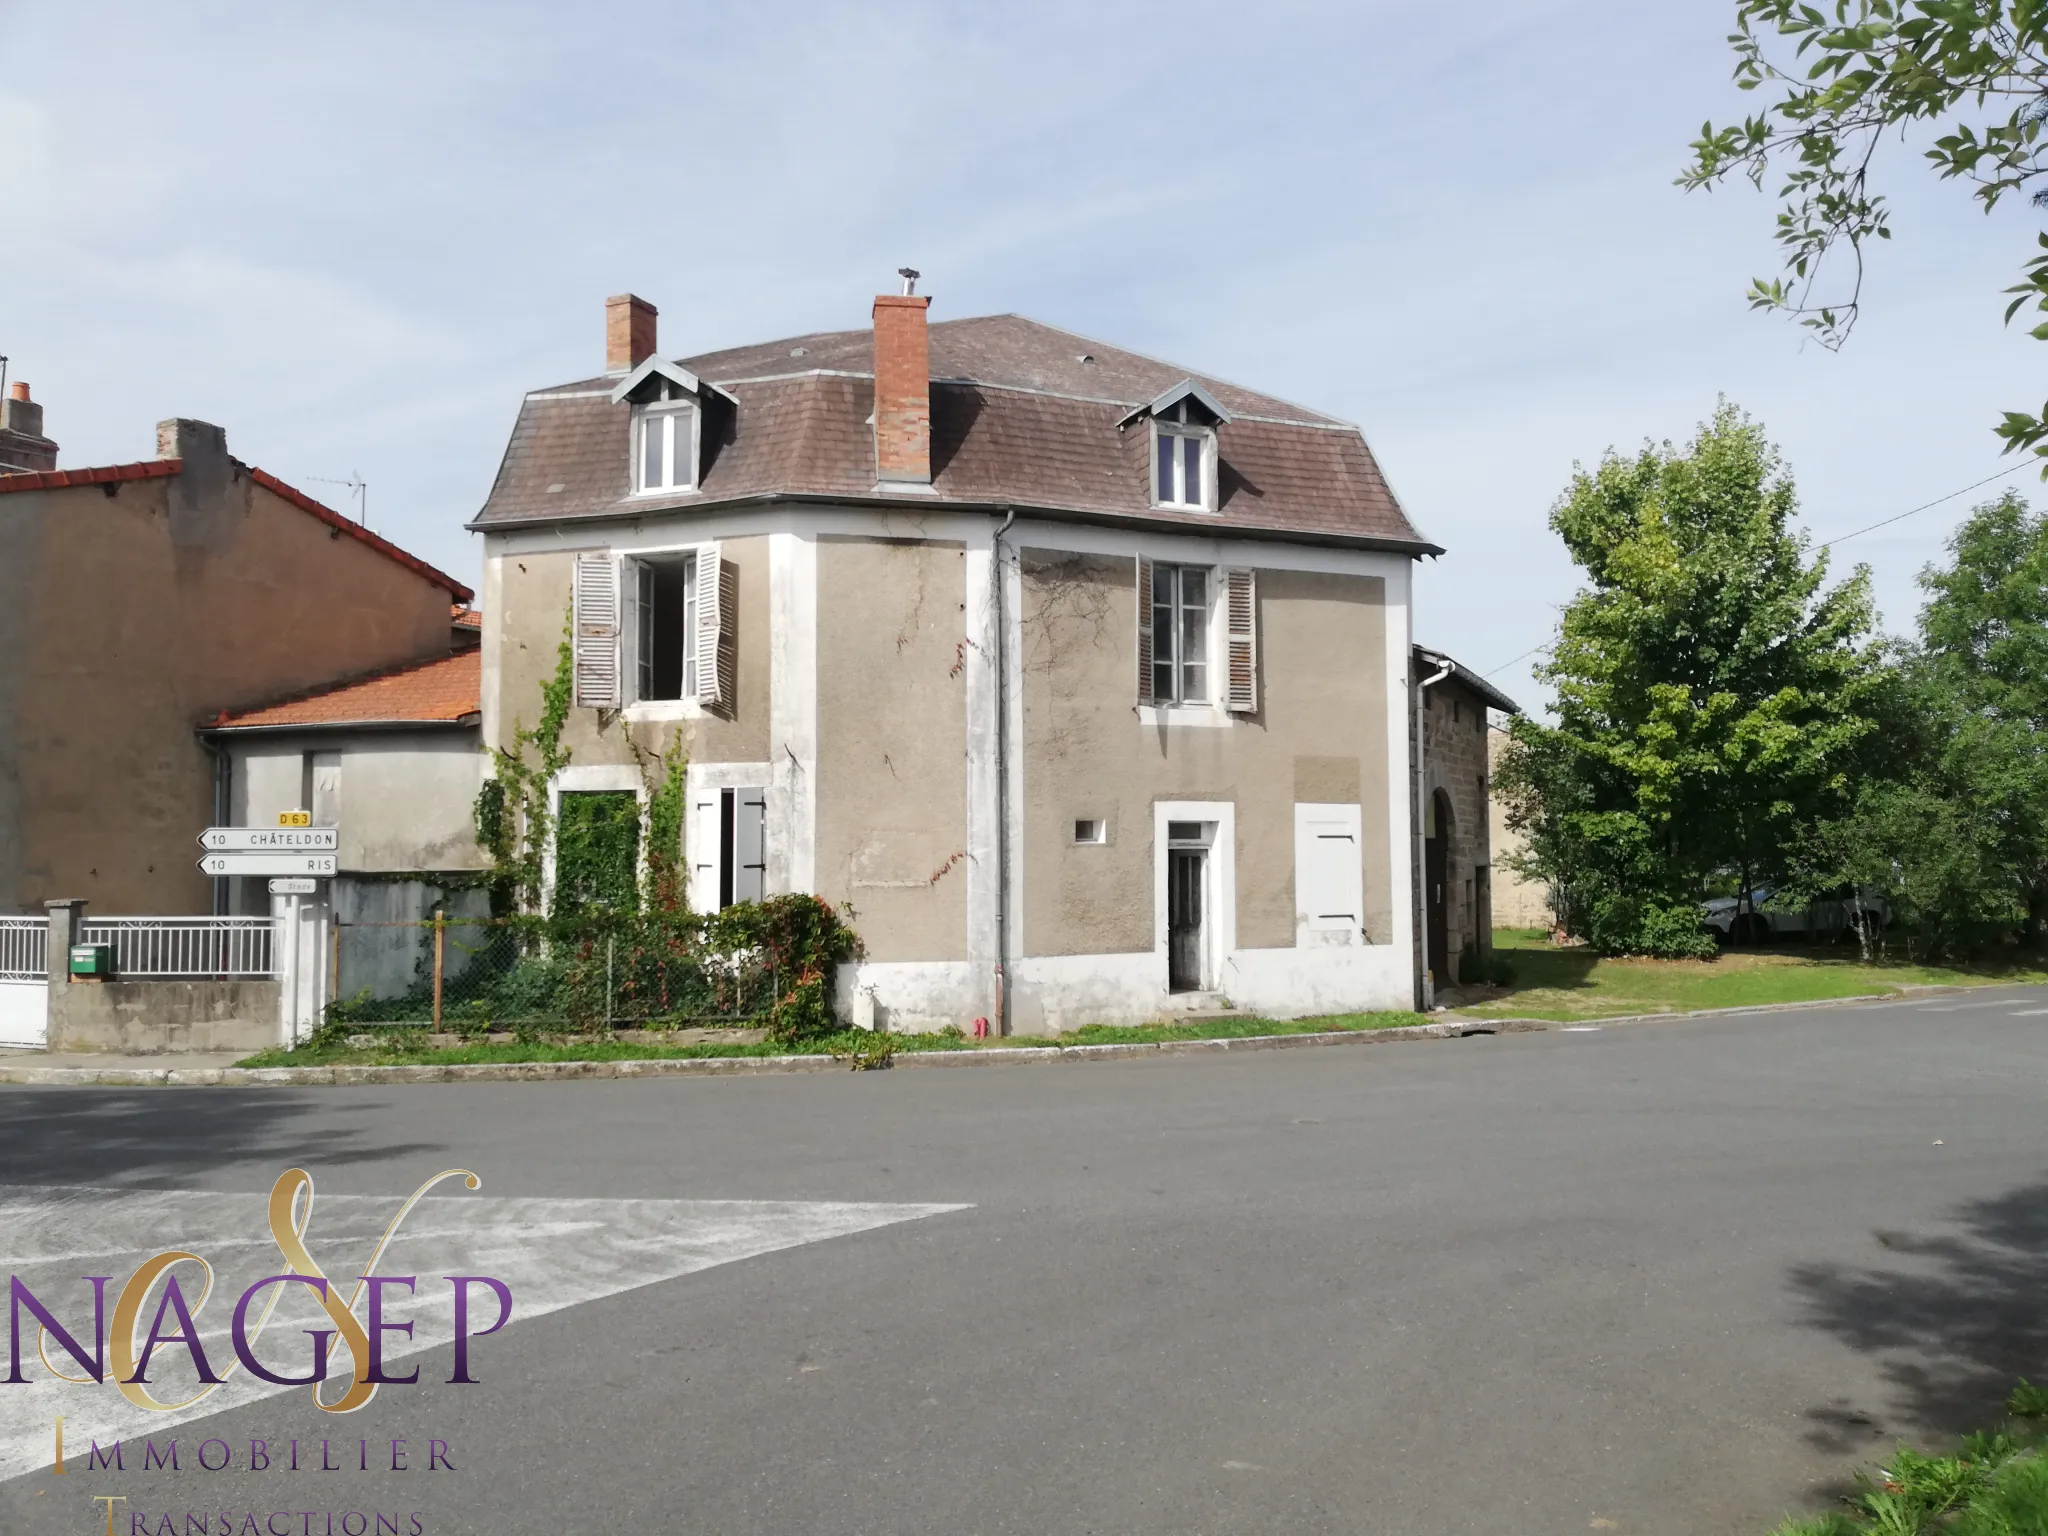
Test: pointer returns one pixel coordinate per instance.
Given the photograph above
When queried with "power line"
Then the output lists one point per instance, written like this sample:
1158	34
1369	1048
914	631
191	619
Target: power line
1839	539
1924	506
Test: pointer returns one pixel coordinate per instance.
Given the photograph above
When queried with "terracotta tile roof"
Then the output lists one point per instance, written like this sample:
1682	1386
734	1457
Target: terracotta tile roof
1018	418
153	469
57	479
445	691
464	617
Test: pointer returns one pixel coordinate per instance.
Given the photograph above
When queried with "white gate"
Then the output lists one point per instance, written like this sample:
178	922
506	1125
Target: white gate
24	981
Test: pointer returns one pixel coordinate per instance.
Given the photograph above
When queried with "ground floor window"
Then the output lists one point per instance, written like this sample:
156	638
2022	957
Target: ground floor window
597	850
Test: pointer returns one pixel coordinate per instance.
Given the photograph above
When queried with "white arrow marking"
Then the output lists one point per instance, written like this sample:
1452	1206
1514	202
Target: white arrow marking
552	1253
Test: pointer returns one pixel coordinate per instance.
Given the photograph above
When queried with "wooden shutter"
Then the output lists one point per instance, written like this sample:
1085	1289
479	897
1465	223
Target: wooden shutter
1144	630
749	844
595	623
716	640
1241	605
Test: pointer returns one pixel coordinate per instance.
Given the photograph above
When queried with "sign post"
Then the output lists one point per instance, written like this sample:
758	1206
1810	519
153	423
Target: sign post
297	858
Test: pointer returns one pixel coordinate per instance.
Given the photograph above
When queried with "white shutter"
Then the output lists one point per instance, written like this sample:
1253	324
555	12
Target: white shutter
715	642
595	623
1144	630
1241	674
749	844
1329	874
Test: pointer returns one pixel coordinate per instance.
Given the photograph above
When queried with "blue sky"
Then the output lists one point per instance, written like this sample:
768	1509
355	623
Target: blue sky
354	235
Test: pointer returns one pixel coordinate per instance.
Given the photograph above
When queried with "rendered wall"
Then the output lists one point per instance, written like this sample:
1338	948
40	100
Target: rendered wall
150	1018
130	613
1320	734
892	729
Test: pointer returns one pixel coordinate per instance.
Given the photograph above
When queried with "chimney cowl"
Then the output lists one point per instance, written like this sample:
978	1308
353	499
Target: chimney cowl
903	390
18	391
629	332
22	444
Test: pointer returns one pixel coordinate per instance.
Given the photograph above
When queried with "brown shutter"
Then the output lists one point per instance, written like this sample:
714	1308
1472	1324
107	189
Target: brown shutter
1241	688
715	640
595	623
1144	630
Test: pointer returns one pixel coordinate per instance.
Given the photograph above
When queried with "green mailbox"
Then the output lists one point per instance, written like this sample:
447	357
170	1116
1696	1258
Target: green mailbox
93	960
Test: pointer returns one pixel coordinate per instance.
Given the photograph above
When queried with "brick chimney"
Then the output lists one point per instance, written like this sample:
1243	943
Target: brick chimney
628	332
903	391
22	444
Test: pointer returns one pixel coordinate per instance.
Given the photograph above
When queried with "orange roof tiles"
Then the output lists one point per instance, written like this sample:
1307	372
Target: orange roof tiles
57	479
445	691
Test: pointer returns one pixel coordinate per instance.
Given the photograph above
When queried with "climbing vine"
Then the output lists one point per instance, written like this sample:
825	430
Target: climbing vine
616	938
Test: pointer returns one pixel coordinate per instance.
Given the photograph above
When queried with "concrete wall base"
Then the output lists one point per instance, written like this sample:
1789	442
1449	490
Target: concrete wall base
162	1018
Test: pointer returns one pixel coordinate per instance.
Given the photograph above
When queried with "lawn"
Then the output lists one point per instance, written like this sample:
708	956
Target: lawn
1568	984
402	1049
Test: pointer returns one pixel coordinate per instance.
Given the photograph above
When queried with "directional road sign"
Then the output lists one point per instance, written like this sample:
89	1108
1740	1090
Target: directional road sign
294	886
316	865
270	840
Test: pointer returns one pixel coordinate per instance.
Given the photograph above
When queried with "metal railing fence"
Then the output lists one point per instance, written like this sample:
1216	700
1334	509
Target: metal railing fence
24	948
197	948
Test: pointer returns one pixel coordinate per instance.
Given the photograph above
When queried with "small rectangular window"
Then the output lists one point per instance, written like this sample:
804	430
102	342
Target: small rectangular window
1180	634
666	618
1184	831
1091	831
665	447
1181	466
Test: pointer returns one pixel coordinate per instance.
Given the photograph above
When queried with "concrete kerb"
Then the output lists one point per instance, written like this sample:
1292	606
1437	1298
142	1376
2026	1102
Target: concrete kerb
1452	1028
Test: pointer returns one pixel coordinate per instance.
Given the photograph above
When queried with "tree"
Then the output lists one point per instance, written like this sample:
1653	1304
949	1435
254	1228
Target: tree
1712	693
1951	823
1971	76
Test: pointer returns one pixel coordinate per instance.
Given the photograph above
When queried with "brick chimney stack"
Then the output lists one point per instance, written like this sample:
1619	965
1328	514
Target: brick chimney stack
903	390
628	332
22	444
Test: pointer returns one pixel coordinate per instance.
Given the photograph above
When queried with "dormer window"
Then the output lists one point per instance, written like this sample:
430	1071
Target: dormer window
1183	461
669	403
665	442
1184	422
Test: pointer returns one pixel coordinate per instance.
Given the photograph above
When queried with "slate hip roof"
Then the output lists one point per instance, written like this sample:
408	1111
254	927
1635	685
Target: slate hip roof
1024	415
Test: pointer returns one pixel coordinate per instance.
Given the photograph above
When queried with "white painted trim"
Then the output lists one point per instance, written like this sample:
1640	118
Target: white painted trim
1219	924
1012	578
702	782
1403	854
665	527
792	711
492	653
979	694
580	778
1200	717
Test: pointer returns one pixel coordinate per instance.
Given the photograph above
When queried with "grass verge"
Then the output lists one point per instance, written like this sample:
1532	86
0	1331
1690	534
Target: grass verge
1570	984
853	1044
1994	1484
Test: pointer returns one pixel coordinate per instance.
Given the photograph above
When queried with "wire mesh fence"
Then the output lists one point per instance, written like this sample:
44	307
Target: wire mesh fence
472	974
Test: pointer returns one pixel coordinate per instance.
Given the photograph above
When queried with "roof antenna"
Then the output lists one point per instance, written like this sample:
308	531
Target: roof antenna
910	275
358	487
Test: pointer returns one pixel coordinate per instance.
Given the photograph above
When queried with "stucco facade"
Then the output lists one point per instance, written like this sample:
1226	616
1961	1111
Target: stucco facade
135	603
1079	683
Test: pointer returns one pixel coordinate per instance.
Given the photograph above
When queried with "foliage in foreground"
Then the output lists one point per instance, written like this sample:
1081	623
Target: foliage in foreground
1994	1484
1968	77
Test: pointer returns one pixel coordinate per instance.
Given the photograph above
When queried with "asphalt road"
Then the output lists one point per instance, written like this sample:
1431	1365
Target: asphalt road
1676	1277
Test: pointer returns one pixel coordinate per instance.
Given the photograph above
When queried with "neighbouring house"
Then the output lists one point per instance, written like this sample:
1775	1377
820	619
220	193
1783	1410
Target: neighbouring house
1453	781
1517	902
393	762
139	602
1082	681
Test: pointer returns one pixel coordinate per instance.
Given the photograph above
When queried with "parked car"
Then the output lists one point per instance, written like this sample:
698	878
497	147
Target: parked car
1735	921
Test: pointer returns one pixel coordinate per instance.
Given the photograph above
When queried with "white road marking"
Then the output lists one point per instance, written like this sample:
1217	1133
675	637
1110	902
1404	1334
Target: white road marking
552	1253
1580	1029
2027	1013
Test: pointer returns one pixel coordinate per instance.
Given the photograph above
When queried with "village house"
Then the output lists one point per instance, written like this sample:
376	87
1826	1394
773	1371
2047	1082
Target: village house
1081	681
1453	777
140	601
